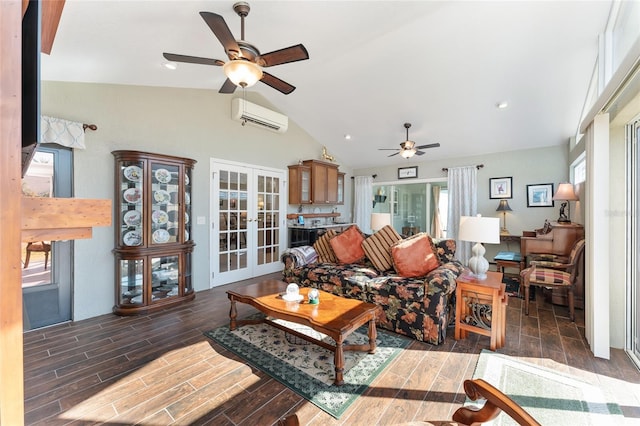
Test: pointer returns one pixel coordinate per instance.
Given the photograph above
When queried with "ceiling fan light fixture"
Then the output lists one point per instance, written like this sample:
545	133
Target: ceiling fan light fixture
408	153
242	73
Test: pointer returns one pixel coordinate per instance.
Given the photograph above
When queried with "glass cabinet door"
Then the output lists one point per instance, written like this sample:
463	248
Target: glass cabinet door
187	204
165	274
130	274
305	185
165	203
131	178
188	285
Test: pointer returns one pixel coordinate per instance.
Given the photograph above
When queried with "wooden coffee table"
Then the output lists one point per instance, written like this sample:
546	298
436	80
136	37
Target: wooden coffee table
335	316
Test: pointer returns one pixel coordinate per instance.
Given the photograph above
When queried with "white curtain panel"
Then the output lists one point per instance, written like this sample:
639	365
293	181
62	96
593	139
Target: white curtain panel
436	226
463	201
363	204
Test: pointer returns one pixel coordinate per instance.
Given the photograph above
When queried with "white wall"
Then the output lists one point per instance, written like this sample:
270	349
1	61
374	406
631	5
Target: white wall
188	123
526	167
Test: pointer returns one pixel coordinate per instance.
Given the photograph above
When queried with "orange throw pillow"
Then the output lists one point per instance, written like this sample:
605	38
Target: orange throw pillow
414	257
347	246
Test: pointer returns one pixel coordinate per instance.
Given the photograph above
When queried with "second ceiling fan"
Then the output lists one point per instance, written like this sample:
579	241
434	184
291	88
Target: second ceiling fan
244	67
408	148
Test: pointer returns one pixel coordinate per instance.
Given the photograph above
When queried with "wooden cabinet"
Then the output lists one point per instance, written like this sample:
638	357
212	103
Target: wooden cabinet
315	182
153	231
299	184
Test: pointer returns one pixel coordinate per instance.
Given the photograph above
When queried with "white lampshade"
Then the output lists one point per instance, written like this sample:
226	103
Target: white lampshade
242	73
565	192
479	229
380	220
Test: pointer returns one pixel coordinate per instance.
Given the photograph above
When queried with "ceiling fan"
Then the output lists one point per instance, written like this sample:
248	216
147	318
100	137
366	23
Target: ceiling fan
408	148
244	67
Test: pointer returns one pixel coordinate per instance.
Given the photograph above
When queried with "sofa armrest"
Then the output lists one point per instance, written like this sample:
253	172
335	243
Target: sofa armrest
443	278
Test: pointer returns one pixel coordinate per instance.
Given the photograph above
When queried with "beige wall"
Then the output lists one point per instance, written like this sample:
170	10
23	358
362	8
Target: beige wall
526	167
186	123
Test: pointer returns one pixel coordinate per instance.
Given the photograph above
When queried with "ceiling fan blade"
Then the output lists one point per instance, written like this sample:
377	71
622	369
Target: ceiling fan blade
227	87
387	149
284	56
173	57
419	153
431	145
393	154
276	83
222	32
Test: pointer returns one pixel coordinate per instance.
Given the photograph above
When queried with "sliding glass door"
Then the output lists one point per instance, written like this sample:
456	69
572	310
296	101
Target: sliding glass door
414	207
633	243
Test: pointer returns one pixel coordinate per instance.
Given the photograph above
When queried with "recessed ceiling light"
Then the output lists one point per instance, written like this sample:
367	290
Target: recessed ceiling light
502	105
170	65
347	137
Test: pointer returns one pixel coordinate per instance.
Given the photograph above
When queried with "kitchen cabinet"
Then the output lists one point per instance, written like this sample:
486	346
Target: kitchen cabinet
340	188
299	184
153	231
315	182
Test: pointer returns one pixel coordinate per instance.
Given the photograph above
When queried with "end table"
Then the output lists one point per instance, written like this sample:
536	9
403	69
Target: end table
481	308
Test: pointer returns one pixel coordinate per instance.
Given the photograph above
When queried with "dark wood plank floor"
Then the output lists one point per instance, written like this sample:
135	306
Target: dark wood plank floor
159	369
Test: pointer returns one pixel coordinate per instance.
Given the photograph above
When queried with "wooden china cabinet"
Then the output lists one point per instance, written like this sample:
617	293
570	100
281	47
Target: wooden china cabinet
154	248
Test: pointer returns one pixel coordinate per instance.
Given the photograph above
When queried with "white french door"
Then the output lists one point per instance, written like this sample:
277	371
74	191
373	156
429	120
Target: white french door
248	213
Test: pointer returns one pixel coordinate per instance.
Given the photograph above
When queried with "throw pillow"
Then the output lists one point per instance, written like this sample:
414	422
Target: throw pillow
347	246
323	248
377	247
414	257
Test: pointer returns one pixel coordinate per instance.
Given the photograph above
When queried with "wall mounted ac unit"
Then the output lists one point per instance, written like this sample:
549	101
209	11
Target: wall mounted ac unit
247	112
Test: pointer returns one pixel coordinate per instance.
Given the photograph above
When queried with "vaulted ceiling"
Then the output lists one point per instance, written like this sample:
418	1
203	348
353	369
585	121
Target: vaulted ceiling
441	65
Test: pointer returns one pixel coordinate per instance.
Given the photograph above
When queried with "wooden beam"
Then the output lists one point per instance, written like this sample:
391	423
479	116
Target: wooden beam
62	218
51	12
11	361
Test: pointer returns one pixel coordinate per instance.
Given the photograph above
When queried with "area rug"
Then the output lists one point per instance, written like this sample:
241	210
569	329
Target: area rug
306	368
552	398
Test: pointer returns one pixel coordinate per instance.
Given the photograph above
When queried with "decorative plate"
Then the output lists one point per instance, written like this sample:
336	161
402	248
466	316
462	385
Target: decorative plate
160	217
187	198
163	176
132	238
186	235
161	196
137	299
160	236
132	292
132	217
186	179
132	195
186	218
133	173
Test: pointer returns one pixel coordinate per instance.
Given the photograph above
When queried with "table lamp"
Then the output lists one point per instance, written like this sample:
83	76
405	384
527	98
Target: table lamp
504	208
565	192
380	220
480	230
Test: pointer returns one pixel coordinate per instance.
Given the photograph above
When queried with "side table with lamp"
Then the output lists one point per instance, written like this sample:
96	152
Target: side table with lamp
481	297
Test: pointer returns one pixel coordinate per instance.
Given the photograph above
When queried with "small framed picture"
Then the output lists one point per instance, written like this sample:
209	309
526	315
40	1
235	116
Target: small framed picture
540	195
500	188
408	172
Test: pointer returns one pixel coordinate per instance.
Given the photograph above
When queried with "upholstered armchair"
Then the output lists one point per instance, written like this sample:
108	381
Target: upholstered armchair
555	273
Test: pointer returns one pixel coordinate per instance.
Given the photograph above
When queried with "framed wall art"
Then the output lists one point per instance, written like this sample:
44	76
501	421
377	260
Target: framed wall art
540	195
408	172
500	188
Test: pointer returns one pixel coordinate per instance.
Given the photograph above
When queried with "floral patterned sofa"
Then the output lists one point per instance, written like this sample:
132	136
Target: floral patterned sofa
419	307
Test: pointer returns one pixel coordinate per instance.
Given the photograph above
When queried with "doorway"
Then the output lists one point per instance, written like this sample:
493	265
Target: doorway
247	221
47	278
